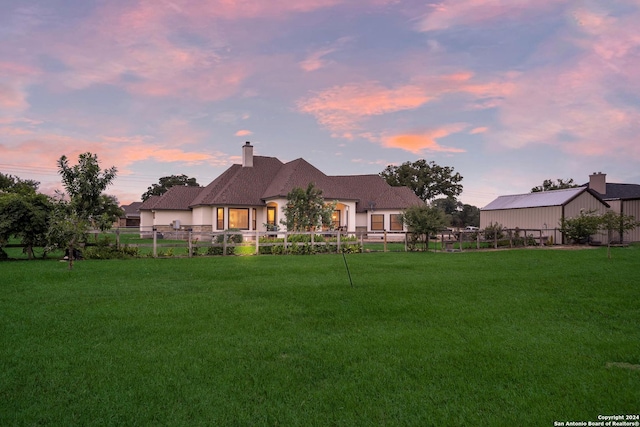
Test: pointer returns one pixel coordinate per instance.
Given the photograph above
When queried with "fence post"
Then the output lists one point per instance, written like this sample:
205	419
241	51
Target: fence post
495	238
338	248
257	242
118	238
155	242
190	244
224	243
286	233
385	240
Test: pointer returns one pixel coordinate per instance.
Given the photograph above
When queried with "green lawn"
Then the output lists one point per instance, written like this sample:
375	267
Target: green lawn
520	337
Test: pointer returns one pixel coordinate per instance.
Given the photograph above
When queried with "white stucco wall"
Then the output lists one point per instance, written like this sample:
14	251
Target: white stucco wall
167	217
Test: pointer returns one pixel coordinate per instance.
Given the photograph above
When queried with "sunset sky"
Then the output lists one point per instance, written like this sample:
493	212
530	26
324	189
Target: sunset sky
507	92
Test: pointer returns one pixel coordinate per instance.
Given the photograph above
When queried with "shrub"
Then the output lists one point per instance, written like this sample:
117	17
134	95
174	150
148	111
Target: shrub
580	228
234	235
218	250
494	232
103	249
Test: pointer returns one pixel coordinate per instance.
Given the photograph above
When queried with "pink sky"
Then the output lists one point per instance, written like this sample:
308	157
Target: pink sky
529	90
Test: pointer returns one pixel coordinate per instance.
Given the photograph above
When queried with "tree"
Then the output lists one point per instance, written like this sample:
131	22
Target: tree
457	213
67	230
108	212
306	210
469	215
84	183
166	182
87	206
616	222
426	179
448	205
14	184
549	185
24	214
423	221
579	229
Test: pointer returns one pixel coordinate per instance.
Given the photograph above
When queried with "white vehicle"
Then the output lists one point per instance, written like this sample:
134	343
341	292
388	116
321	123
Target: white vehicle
470	228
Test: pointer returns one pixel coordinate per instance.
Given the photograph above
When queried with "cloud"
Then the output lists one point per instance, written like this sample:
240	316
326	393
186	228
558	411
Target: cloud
342	108
455	13
418	143
580	106
243	132
478	130
347	110
14	80
315	61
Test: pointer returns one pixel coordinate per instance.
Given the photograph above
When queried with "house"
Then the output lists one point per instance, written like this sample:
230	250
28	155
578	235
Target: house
544	210
131	217
252	196
622	199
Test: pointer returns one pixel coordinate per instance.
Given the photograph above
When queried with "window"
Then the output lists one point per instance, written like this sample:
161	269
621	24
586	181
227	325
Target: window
271	216
335	219
220	219
396	222
377	222
239	218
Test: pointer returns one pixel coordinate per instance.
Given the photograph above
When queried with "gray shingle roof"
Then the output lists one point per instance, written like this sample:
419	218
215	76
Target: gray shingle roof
298	174
622	191
270	178
533	200
372	191
239	185
176	198
132	210
149	203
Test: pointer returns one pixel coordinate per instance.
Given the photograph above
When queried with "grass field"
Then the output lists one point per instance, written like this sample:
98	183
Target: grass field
520	337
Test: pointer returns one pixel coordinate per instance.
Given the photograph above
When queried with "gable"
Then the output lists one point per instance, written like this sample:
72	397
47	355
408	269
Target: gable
241	185
298	174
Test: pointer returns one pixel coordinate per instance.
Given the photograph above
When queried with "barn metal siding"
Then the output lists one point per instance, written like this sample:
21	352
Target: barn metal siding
547	217
632	207
584	202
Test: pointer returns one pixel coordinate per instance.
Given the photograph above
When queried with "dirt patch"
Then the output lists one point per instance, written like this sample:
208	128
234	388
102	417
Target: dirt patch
623	365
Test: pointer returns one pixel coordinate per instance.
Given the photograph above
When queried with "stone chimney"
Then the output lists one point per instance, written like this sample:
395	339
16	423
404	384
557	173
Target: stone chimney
598	182
247	155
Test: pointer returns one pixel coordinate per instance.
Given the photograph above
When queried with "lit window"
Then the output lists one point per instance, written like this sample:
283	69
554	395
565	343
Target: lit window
271	215
220	219
254	219
335	218
239	218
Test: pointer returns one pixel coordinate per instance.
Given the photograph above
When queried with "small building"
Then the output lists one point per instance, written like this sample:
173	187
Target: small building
541	211
545	210
622	199
131	217
252	196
